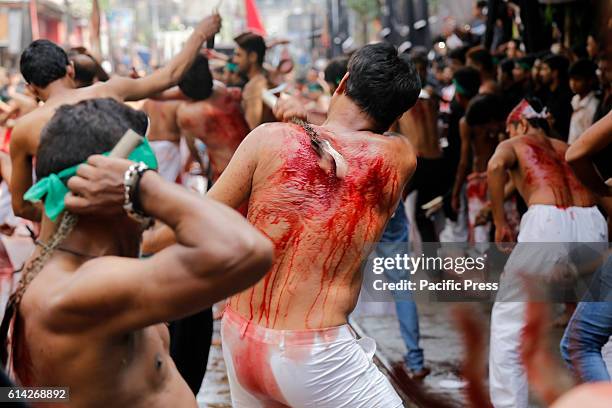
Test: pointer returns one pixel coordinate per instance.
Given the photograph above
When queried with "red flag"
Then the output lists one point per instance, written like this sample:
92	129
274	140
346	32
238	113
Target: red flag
253	18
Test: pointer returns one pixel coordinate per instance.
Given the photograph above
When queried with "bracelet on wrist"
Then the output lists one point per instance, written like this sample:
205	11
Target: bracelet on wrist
131	201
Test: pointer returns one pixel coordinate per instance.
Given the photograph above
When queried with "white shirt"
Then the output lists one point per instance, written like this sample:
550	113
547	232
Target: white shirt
582	118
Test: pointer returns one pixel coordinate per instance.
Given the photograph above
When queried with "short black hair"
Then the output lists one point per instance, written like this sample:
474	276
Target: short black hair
251	42
381	83
336	70
43	62
468	79
86	67
557	63
481	4
78	131
482	57
458	54
483	109
197	83
507	65
583	69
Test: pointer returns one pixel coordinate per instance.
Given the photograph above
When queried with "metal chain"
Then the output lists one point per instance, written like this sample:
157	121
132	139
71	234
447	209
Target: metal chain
314	136
35	266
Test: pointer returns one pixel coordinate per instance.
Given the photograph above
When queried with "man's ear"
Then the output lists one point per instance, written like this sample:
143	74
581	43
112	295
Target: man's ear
252	57
341	89
33	90
70	70
523	126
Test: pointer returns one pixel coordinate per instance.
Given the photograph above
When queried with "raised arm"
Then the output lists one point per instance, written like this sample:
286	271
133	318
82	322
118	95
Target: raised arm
128	89
580	155
21	175
232	189
502	161
217	253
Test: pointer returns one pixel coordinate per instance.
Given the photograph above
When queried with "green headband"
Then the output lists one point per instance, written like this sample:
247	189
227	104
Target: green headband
525	66
52	189
459	89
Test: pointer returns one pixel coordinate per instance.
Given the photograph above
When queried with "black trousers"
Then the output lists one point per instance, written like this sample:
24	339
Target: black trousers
190	340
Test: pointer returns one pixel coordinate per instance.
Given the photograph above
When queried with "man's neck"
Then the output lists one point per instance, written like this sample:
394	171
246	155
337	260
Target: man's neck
57	88
94	238
346	114
254	71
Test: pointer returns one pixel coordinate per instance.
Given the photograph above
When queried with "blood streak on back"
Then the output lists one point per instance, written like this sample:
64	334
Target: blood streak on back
316	218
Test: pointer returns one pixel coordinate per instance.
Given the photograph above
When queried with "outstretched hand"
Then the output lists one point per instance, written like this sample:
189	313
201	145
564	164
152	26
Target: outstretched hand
210	25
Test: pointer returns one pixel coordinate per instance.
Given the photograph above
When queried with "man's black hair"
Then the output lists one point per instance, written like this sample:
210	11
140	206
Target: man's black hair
583	69
483	109
251	42
335	70
507	65
481	4
86	68
458	54
482	57
43	62
78	131
468	79
382	84
198	82
558	63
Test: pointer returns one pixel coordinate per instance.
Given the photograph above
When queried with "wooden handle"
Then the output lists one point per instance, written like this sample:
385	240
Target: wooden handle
126	145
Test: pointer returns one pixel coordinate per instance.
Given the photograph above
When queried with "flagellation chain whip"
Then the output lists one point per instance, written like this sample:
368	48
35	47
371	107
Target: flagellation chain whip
331	159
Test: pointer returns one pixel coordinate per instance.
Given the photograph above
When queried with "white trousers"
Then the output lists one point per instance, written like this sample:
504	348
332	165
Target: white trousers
327	368
543	224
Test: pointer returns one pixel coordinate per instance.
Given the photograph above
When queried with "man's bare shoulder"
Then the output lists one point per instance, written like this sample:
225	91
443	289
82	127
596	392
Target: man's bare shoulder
276	131
29	126
559	145
511	143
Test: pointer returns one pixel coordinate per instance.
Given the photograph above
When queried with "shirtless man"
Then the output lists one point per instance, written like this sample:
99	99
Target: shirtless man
281	335
49	75
561	210
94	290
249	57
165	135
480	130
212	114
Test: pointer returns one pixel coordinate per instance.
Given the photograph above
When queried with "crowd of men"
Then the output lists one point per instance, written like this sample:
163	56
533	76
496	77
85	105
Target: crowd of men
270	203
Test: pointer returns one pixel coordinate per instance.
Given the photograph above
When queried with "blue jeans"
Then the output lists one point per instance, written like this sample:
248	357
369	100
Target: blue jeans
589	330
395	239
